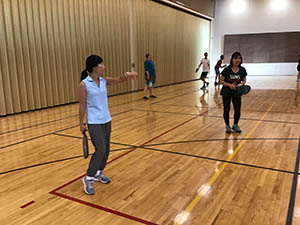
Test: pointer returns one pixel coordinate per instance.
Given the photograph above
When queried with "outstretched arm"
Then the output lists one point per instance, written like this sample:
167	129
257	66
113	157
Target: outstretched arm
121	79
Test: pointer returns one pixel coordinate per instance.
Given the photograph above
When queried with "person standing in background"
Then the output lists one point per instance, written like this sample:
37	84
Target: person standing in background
150	76
206	66
217	69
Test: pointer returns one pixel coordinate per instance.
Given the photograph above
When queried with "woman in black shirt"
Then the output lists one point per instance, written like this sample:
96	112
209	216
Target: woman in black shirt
233	76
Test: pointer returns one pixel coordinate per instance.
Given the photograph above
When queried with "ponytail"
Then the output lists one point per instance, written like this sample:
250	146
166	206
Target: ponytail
84	74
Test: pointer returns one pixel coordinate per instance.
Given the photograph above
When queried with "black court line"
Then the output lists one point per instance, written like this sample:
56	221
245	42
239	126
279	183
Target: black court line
23	128
146	147
274	97
262	111
192	141
211	159
109	96
36	137
52	121
44	135
252	119
220	160
215	116
222	139
56	161
38	109
188	106
258	96
156	111
176	96
141	100
69	136
39	124
244	110
289	218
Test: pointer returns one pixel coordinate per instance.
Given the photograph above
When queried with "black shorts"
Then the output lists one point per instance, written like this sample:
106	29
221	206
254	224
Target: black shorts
204	74
298	68
217	71
152	79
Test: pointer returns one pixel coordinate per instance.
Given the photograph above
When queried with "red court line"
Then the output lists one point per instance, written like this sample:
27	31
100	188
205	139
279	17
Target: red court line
27	204
136	219
120	156
84	174
54	192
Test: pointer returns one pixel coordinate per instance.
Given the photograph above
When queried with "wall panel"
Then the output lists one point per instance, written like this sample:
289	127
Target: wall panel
44	44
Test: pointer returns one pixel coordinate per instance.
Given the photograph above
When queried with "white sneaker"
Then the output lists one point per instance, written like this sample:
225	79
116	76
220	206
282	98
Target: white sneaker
88	186
102	178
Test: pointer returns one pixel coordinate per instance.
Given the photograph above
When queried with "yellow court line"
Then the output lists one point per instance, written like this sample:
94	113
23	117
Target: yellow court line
180	219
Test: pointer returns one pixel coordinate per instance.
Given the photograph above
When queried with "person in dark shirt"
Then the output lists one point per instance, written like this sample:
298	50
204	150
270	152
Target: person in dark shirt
298	68
217	69
233	76
150	76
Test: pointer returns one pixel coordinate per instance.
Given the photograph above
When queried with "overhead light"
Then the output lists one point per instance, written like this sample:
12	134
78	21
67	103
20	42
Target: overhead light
238	6
278	4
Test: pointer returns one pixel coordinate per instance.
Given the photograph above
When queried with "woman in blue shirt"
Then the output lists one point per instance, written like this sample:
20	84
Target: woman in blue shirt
93	101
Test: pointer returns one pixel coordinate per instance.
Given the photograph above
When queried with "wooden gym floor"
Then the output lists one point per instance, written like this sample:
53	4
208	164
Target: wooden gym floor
171	161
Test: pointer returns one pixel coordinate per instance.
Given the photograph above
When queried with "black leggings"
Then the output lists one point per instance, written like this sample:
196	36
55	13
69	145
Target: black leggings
237	108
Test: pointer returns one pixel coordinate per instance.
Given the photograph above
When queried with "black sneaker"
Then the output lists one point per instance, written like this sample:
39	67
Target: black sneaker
228	130
236	128
153	96
207	83
145	98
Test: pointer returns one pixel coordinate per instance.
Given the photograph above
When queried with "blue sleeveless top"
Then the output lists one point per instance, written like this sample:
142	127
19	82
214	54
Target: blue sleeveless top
96	101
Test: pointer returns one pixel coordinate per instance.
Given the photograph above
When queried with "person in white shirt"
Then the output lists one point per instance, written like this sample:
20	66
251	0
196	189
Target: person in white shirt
206	66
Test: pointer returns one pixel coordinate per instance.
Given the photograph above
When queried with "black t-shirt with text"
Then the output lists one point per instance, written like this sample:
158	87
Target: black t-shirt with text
231	77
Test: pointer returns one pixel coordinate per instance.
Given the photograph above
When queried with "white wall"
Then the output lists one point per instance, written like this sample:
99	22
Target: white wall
255	16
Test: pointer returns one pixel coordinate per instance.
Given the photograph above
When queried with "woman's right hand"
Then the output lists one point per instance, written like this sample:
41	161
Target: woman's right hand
82	128
232	86
132	75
